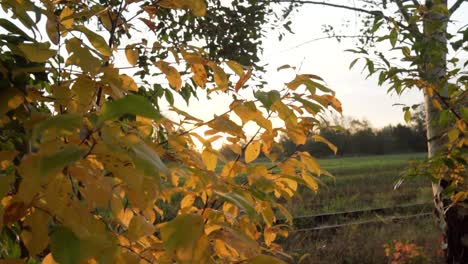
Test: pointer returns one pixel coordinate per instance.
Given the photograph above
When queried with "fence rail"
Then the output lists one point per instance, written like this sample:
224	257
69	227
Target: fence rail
381	220
309	223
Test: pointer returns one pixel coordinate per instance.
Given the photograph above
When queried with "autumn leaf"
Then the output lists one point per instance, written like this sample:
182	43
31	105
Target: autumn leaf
182	233
197	7
172	75
210	159
252	151
37	52
98	42
132	54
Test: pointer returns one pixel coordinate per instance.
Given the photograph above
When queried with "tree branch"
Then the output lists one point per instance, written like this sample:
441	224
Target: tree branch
370	12
404	12
375	13
456	6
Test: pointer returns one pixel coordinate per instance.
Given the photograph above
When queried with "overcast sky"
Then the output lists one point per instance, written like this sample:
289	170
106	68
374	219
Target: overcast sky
361	98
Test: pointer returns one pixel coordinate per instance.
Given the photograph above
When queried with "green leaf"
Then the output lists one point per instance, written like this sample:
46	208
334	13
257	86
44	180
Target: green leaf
182	232
130	104
96	40
407	116
37	52
393	37
12	28
65	122
169	96
146	158
464	112
267	98
81	57
453	134
65	246
240	201
57	161
351	65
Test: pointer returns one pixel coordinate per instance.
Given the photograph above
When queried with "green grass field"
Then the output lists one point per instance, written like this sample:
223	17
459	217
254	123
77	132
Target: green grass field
363	183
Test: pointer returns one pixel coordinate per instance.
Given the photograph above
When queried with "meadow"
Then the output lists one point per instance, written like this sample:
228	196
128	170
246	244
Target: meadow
363	183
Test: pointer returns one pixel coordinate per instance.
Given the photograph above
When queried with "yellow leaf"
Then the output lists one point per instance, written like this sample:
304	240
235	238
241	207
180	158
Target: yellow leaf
182	234
145	125
187	201
81	57
319	138
247	111
138	228
49	259
297	135
83	92
98	42
35	237
132	54
197	7
224	250
10	98
209	159
453	134
220	76
224	124
128	84
310	162
269	236
106	20
310	181
65	18
230	209
437	105
172	75
285	113
199	74
37	52
460	196
268	215
335	103
252	151
236	67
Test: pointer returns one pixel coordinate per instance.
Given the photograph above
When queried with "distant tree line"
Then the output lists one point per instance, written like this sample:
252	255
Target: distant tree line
355	137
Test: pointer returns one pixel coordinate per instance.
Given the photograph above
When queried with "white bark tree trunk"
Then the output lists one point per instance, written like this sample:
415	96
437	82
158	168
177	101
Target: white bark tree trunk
452	222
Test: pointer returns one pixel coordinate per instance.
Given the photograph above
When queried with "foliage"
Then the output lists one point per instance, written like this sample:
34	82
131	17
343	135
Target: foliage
400	252
422	44
89	163
419	38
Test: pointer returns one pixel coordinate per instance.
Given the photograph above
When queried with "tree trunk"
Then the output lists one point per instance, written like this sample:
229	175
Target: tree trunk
453	222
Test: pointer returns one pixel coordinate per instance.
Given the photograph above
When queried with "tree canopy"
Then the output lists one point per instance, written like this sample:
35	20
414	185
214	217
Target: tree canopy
92	170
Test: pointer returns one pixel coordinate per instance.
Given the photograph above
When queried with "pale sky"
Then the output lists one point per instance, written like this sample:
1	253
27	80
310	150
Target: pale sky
361	98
